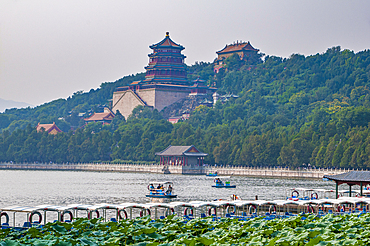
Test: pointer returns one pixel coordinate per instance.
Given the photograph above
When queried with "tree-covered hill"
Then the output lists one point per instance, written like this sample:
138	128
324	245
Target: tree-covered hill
65	111
289	112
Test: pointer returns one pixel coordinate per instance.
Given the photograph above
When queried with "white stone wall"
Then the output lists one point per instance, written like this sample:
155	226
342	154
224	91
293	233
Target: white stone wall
125	102
164	98
148	96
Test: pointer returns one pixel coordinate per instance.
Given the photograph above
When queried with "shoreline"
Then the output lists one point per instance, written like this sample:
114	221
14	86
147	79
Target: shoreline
272	172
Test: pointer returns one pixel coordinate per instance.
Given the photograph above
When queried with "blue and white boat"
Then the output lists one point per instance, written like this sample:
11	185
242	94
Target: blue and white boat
212	174
161	190
221	184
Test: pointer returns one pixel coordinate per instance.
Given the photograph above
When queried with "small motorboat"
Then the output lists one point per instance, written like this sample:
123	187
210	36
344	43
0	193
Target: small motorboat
221	184
212	174
161	190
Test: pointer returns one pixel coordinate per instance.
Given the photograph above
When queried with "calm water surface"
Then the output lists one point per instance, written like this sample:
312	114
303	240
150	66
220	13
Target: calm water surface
66	187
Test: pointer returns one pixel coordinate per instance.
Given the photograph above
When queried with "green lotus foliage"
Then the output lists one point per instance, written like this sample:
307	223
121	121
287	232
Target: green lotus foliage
296	230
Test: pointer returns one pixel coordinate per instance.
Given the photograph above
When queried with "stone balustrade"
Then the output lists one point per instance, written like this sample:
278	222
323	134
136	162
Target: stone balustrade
281	172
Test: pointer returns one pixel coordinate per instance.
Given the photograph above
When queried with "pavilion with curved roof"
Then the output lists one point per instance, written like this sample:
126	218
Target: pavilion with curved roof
181	155
360	178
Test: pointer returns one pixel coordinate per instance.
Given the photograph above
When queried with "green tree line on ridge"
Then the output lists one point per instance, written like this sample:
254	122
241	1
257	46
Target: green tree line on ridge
289	112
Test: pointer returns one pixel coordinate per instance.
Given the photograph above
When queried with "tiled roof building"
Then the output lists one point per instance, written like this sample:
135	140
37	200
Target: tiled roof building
243	49
104	118
49	128
181	155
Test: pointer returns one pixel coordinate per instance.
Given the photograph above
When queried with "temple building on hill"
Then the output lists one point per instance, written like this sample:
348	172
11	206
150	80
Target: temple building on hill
165	81
243	49
105	118
198	88
49	128
166	63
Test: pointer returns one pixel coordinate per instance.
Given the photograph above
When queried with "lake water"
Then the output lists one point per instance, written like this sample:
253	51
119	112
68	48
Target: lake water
66	187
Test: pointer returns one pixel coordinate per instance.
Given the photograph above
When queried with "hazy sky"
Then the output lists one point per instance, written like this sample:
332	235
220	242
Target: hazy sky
50	49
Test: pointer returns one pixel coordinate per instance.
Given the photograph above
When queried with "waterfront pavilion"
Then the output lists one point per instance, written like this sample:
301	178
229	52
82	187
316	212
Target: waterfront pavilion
361	178
181	156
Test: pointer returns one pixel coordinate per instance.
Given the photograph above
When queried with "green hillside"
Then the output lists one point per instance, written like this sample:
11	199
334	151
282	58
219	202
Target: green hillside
290	112
68	109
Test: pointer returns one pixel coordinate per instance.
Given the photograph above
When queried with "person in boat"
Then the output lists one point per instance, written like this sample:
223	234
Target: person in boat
151	187
169	190
219	182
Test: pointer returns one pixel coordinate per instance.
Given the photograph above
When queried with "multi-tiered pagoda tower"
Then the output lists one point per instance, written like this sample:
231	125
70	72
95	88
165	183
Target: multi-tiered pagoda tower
166	63
165	82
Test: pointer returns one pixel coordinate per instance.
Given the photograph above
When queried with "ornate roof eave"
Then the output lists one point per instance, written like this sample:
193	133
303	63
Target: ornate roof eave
180	151
352	177
171	43
95	117
233	51
248	44
170	66
167	54
250	47
48	127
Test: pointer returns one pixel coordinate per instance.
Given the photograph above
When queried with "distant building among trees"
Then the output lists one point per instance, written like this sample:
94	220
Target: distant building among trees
244	50
49	128
105	118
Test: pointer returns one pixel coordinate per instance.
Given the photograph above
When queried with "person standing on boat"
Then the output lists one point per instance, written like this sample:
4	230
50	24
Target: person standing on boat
169	190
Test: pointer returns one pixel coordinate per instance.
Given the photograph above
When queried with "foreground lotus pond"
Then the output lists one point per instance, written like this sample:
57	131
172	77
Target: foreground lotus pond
347	229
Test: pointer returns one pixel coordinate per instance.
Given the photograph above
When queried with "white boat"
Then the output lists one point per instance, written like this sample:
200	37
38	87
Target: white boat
161	190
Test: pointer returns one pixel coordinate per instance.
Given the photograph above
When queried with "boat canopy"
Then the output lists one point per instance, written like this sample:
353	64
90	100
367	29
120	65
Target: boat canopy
21	209
164	182
54	208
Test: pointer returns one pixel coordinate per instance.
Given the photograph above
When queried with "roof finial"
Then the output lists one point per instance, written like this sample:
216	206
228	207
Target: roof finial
167	34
